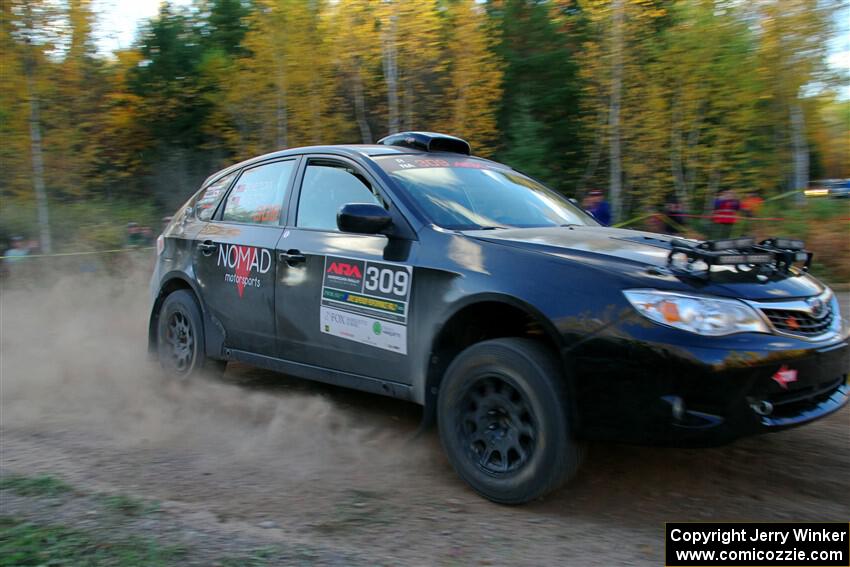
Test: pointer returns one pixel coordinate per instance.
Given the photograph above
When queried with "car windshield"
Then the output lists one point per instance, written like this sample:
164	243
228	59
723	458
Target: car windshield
462	193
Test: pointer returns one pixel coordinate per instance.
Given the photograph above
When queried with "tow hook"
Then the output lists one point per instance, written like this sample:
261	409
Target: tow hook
762	407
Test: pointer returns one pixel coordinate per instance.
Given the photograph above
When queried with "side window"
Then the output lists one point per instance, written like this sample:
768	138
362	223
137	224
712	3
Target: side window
208	199
325	189
259	194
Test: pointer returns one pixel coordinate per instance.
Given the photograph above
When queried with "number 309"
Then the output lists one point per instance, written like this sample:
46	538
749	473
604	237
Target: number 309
386	280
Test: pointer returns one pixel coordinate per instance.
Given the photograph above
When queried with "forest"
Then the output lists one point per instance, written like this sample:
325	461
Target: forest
644	99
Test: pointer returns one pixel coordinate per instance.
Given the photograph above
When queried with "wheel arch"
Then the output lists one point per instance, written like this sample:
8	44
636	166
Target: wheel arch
176	281
479	318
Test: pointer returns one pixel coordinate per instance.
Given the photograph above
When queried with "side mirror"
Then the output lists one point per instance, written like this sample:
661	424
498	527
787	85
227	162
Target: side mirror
363	218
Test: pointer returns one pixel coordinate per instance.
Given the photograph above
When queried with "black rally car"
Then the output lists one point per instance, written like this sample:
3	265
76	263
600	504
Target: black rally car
411	269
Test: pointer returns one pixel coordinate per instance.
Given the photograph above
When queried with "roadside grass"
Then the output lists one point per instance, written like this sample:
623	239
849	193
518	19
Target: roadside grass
41	485
127	505
360	508
259	558
48	486
23	543
823	225
110	543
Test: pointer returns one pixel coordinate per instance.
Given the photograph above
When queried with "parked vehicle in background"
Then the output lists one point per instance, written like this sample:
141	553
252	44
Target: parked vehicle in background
411	269
839	189
836	188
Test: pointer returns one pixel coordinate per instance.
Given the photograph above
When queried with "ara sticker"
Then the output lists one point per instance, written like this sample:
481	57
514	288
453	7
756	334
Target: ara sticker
245	263
366	302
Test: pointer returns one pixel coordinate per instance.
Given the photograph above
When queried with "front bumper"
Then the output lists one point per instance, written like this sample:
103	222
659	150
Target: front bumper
632	391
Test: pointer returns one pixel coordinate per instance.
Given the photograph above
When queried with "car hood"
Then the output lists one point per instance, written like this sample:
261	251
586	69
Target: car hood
634	254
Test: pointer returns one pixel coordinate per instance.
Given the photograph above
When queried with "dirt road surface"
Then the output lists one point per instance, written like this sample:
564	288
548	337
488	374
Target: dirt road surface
314	474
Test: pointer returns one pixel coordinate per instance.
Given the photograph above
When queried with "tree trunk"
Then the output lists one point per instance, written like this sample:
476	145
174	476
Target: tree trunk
676	153
595	155
282	117
391	72
408	106
616	177
38	167
800	149
315	109
360	108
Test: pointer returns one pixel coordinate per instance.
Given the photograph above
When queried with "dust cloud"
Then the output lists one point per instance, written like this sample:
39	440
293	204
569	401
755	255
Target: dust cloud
73	360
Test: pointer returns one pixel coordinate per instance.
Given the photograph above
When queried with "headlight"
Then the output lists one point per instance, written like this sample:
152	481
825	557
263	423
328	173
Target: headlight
701	315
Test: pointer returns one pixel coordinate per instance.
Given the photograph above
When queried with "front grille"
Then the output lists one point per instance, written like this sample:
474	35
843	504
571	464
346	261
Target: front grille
801	323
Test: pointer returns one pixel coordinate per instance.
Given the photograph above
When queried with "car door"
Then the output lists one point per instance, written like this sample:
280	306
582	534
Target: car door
343	299
235	259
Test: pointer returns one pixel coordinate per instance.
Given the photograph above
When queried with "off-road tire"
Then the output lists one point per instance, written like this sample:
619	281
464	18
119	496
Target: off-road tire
502	416
180	339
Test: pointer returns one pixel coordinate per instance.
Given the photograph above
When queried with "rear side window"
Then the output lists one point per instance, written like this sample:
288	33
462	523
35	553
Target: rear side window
209	197
259	194
325	189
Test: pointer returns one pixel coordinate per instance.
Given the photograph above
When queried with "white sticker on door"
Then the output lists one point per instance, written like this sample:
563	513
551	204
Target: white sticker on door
367	330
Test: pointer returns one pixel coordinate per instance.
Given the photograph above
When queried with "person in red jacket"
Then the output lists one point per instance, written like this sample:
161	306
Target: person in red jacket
725	214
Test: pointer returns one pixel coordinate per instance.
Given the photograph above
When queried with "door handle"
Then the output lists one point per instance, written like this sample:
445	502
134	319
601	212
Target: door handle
207	247
292	257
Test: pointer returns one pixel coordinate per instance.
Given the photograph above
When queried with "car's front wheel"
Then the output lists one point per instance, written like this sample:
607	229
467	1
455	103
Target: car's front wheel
503	421
180	342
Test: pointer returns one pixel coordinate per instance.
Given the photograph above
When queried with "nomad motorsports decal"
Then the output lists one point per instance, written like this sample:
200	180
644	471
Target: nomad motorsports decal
246	263
366	302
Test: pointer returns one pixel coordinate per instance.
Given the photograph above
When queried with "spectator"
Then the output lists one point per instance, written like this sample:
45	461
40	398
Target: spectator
596	205
673	215
725	214
135	235
751	204
17	250
33	246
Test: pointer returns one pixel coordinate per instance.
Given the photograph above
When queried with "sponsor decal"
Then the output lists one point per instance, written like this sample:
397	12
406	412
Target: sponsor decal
246	263
366	302
403	163
394	307
785	376
364	330
342	273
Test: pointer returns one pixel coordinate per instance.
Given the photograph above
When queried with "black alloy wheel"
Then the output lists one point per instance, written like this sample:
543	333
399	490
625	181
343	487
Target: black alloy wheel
180	342
496	426
180	339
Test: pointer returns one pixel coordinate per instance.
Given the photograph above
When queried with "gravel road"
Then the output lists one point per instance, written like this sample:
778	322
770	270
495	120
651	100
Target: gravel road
330	476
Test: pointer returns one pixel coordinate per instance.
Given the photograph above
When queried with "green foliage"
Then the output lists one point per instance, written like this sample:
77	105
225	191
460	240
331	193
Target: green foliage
23	543
526	149
709	88
43	485
541	93
94	224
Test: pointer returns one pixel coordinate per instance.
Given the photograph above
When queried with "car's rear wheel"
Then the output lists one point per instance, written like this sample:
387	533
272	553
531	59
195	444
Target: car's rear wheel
181	338
503	421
